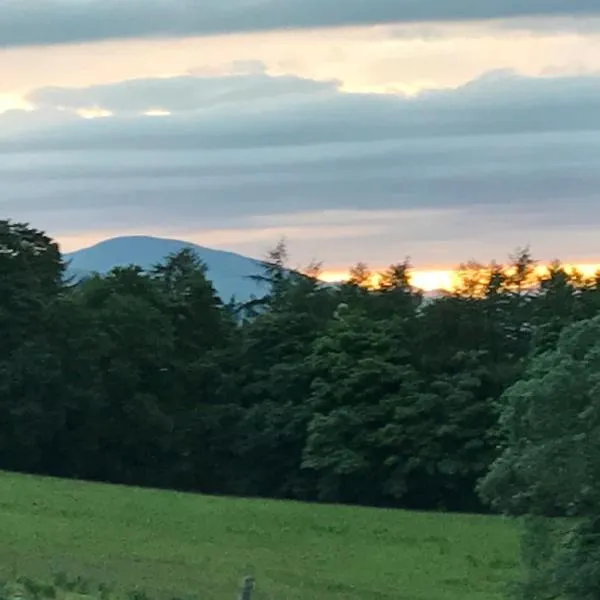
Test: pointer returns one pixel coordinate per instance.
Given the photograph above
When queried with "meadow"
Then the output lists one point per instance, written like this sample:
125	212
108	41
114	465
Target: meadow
183	545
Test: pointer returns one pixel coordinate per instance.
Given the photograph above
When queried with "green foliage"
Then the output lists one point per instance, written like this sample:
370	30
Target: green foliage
64	587
363	393
550	464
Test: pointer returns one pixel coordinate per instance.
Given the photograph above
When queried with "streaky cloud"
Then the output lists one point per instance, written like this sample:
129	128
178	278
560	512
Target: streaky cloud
48	22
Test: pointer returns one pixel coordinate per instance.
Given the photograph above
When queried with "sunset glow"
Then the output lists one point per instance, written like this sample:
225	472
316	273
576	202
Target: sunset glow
426	280
431	280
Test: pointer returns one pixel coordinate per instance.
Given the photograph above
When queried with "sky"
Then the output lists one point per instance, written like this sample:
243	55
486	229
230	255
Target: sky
443	131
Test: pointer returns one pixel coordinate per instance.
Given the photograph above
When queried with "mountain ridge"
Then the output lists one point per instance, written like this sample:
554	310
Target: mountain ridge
229	272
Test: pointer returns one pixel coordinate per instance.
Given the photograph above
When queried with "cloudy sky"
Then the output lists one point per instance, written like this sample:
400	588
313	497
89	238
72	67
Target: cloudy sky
443	130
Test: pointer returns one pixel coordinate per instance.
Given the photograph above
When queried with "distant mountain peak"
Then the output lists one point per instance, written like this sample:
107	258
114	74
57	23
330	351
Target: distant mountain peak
229	272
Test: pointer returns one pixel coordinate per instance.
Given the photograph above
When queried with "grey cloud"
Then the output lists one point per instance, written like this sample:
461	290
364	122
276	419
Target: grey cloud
502	154
554	24
180	93
497	104
43	22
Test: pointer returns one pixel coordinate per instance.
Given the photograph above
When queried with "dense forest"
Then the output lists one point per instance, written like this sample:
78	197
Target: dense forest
337	393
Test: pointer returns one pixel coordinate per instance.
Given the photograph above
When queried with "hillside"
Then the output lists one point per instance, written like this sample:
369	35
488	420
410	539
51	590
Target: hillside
228	271
178	544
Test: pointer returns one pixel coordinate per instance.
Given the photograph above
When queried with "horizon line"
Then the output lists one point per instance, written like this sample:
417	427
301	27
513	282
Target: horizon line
426	278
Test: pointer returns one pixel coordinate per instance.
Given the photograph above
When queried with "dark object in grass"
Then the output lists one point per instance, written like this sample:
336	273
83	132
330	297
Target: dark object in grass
247	589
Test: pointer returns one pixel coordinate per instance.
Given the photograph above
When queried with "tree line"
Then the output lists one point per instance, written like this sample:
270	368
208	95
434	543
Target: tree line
346	393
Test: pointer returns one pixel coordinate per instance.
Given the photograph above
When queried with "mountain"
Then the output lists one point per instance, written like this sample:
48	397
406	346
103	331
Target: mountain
228	271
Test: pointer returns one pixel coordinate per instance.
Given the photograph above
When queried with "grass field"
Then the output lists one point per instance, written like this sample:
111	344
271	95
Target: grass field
184	545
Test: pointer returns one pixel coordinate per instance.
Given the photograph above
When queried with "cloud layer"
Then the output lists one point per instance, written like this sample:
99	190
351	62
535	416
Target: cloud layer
46	22
503	161
258	110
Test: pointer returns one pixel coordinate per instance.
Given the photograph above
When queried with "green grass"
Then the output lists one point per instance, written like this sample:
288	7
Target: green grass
184	545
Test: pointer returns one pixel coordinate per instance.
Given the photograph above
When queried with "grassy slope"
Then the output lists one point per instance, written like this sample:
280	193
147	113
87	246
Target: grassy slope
182	545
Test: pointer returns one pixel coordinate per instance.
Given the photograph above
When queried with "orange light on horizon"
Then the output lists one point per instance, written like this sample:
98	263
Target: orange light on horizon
430	280
427	280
